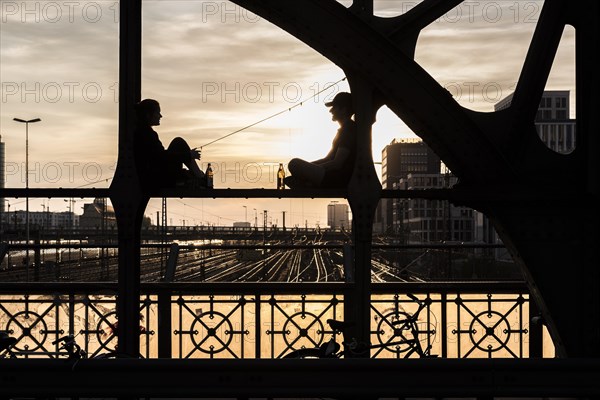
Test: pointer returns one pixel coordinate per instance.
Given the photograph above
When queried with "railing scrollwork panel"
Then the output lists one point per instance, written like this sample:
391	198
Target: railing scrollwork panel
37	321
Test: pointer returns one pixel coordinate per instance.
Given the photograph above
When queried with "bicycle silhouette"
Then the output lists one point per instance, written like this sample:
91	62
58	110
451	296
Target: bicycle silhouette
72	350
6	344
404	340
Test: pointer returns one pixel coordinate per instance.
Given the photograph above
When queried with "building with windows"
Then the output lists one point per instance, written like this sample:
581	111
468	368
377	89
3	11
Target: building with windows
426	221
41	219
399	159
338	215
555	129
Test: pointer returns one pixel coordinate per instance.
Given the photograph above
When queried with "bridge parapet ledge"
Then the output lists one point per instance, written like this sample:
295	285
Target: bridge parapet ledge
54	192
232	193
182	192
460	194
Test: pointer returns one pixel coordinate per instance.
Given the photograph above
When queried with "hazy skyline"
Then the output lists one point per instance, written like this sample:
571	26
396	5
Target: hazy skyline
216	68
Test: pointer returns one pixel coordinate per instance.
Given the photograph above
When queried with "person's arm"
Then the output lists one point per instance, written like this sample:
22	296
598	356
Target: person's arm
331	154
148	148
328	158
340	157
320	161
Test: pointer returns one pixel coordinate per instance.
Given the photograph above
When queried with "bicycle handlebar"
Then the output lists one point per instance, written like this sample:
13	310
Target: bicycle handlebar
413	297
63	339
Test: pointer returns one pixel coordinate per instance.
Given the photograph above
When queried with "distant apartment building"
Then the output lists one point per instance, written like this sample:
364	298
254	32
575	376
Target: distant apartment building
427	221
41	219
91	218
399	159
554	126
338	215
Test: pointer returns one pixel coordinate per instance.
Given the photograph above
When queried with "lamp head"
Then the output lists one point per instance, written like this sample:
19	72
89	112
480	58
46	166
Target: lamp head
27	122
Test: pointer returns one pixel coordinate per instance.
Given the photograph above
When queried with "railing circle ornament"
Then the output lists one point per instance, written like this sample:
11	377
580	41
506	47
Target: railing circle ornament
211	332
491	335
106	331
303	329
21	326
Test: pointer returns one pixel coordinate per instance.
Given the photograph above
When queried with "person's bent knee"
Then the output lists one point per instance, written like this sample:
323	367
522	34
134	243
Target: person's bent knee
179	144
294	165
179	141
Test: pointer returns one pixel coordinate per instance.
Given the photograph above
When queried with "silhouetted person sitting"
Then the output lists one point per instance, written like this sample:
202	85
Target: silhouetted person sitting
336	168
159	167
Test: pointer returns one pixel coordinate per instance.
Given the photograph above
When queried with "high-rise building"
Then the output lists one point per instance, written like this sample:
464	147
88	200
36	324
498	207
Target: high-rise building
398	159
555	129
338	215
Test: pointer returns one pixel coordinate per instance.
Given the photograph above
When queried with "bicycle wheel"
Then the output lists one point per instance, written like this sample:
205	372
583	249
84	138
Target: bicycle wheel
114	354
305	353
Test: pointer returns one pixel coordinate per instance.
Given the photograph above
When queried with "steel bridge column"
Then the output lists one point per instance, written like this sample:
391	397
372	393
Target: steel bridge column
364	192
588	142
125	193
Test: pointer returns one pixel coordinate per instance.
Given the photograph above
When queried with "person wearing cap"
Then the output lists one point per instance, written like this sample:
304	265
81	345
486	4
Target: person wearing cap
335	169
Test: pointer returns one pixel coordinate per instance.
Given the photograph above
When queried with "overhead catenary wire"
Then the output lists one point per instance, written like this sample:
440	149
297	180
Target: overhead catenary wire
93	183
300	103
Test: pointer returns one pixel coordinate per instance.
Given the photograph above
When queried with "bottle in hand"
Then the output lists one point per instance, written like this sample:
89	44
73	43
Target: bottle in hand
209	177
280	177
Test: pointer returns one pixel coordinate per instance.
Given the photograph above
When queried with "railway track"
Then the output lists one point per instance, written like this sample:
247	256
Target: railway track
217	265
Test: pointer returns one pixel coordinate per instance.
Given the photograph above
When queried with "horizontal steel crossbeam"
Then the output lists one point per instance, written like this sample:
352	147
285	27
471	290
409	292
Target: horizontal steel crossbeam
462	195
53	192
261	287
284	378
182	192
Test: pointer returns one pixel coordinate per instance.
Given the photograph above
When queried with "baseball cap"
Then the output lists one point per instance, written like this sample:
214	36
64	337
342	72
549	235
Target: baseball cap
342	99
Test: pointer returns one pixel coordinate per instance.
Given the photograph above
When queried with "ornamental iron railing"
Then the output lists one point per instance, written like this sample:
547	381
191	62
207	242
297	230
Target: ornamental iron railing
458	320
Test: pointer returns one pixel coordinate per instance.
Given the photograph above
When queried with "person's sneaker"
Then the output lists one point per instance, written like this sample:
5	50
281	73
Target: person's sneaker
291	182
294	183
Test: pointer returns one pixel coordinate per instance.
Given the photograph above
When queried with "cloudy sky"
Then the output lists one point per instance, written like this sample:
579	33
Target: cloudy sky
216	68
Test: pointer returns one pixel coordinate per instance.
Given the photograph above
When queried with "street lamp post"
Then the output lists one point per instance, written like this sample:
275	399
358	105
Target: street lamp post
70	206
43	219
6	223
27	122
